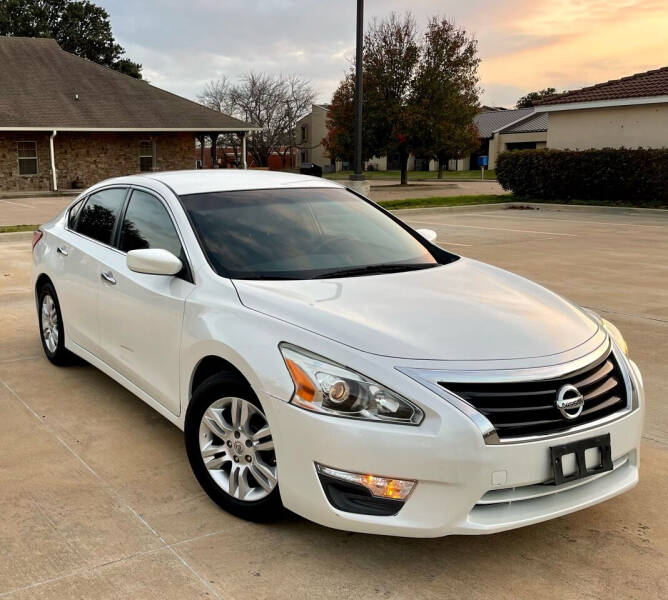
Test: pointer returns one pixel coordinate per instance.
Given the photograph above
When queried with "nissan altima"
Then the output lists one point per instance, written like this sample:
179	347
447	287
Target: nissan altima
322	356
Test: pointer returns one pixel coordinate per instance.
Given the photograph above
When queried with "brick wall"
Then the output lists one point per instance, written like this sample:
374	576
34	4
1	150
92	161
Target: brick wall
86	158
10	180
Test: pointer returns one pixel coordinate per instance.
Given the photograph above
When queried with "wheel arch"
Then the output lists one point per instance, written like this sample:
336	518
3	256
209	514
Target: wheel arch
42	279
213	364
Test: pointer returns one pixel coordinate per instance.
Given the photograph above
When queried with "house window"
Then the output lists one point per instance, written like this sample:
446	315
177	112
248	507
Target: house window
304	130
27	156
146	156
303	160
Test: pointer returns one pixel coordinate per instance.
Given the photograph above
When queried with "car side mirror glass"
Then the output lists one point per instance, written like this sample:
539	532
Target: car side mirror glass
153	261
428	234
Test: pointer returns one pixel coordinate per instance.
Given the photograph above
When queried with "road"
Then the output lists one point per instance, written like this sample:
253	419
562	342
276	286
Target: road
98	500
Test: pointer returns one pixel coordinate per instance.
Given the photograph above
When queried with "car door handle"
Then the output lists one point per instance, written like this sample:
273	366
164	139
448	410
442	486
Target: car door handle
61	250
108	276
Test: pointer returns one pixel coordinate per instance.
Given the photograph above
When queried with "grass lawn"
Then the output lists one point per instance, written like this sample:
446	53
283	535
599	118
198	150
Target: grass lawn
446	201
16	228
417	175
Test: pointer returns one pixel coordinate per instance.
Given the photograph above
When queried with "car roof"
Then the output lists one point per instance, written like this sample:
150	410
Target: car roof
218	180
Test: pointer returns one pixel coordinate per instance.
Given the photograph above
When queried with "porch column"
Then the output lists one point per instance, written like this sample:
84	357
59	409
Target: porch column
244	162
214	141
52	156
201	139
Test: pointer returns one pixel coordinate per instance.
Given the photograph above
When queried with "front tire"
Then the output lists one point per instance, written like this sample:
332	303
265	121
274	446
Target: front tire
231	450
51	329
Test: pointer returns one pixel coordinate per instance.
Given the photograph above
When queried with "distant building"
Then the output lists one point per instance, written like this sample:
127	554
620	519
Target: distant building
311	130
631	112
501	130
67	122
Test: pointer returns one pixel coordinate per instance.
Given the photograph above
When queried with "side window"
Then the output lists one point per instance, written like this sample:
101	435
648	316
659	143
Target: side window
146	156
74	212
27	157
148	225
99	215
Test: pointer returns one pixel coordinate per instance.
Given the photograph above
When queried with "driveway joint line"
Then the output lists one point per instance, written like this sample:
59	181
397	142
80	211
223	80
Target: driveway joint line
110	489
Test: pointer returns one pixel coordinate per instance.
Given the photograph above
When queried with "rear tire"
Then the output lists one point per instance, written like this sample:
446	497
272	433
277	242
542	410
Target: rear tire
230	449
51	329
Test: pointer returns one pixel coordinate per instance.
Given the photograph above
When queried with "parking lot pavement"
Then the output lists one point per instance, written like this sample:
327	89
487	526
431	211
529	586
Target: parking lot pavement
31	210
97	498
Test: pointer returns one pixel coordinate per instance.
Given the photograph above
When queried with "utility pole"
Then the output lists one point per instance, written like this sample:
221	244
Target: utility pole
357	181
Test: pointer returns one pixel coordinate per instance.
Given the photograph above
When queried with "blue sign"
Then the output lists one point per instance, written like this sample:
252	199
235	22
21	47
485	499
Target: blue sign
483	161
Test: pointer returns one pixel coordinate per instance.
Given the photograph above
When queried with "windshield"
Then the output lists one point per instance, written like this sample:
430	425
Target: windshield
302	234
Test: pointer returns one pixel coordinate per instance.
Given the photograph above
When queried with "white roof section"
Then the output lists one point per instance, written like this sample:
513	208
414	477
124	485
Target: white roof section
202	181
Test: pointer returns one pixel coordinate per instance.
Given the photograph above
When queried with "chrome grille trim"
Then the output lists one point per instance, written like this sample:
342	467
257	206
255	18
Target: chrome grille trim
430	379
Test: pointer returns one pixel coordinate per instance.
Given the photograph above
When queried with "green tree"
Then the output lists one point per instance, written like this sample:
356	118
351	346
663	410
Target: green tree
420	95
391	55
339	141
532	97
445	93
79	26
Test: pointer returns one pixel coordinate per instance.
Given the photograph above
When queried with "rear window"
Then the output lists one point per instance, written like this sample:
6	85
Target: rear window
100	213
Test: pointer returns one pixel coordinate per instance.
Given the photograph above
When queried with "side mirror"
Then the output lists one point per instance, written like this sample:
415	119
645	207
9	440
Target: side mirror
154	261
428	234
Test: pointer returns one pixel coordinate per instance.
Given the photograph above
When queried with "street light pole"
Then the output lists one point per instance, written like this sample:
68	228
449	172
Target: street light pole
359	176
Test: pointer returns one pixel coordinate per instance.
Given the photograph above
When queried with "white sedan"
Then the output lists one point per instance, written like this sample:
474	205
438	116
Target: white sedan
322	356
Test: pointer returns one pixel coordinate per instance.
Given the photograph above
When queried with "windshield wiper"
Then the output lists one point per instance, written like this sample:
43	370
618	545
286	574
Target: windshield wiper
374	269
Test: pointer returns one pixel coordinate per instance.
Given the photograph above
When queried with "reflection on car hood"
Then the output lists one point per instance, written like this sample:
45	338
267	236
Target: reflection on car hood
466	310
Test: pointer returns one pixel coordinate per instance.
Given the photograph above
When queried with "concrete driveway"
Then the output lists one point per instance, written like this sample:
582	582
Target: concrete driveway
97	499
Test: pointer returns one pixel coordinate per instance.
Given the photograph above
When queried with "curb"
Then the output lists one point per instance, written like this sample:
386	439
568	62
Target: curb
38	194
618	210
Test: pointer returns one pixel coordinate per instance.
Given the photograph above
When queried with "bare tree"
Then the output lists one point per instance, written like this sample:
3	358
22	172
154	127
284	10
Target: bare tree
299	99
216	95
272	102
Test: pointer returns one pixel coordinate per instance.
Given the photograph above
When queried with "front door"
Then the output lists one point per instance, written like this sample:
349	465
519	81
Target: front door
141	315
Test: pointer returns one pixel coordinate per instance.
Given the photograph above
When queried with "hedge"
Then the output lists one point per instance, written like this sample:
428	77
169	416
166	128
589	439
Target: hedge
608	176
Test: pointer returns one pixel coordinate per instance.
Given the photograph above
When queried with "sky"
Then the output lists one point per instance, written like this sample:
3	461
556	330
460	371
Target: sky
524	45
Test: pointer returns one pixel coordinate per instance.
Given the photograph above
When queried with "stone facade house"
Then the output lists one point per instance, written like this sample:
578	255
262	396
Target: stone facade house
66	122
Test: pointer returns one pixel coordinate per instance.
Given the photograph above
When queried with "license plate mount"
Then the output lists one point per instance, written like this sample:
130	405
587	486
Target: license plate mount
602	442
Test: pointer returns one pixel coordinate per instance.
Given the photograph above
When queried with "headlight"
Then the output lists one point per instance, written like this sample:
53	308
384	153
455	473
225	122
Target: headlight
326	387
614	333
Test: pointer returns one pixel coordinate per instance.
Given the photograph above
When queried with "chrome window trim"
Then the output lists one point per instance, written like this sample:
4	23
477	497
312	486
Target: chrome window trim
128	187
84	199
170	213
430	379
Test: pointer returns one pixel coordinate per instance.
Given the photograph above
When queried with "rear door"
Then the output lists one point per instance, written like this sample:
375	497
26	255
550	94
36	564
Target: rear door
87	238
141	315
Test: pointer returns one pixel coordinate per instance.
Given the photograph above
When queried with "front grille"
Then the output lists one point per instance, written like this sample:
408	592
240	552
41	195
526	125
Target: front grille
518	409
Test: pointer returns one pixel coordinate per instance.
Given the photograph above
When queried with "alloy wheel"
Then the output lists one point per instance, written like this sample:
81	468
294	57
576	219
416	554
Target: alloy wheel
237	449
49	323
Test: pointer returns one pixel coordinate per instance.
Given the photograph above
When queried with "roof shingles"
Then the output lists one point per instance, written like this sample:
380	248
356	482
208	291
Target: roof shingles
640	85
42	86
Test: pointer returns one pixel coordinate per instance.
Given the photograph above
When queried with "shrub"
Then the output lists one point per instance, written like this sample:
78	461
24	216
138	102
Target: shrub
606	176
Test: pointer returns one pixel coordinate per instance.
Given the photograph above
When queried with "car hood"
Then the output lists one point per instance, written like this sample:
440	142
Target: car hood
465	310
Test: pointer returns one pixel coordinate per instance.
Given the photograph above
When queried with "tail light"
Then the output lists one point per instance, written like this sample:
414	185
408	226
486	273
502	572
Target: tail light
36	237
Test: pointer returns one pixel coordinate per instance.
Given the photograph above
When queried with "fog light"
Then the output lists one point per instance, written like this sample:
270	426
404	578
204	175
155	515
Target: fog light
380	487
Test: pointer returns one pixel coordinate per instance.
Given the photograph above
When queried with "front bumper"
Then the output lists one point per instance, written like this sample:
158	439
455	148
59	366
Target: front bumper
464	486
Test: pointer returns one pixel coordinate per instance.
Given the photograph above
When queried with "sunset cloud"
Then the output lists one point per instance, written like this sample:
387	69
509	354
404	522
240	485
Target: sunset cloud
524	44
